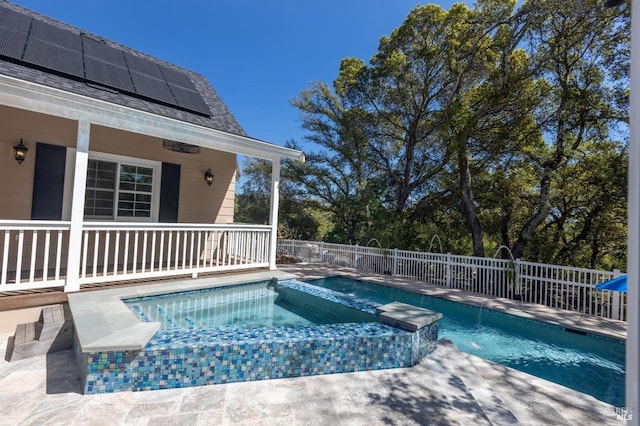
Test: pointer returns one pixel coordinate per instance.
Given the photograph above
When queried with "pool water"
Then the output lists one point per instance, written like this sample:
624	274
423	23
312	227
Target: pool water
588	364
255	305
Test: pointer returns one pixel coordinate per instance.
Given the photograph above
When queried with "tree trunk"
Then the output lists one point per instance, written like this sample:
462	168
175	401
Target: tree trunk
469	209
530	227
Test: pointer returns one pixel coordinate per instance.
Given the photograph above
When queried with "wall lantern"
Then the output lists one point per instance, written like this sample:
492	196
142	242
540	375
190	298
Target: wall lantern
20	152
208	177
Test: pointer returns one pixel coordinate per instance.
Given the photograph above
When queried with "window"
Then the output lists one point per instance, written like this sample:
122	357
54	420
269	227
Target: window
120	188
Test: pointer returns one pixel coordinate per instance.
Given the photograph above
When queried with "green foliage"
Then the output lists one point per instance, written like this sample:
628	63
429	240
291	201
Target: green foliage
501	124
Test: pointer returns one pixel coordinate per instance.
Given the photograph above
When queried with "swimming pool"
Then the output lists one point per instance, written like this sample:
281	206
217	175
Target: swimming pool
589	364
229	333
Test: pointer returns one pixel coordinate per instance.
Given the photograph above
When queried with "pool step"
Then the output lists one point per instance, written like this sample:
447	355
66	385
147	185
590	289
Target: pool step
53	332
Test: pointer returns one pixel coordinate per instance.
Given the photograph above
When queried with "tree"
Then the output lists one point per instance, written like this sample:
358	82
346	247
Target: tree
487	122
340	176
253	202
581	103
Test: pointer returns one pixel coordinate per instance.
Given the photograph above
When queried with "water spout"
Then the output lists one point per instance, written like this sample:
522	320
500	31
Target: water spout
431	243
376	240
515	269
479	320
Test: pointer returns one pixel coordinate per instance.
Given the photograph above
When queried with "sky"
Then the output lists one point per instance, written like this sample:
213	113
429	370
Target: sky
257	54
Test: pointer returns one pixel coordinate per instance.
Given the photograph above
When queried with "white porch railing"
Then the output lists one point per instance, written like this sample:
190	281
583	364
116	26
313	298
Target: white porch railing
34	254
551	285
124	251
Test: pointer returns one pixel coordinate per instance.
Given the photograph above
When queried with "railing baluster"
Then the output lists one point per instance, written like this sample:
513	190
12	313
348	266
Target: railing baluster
169	244
34	250
45	259
136	235
85	249
153	251
184	250
58	255
199	253
144	251
5	257
177	259
116	253
105	256
19	256
125	257
191	250
160	258
96	244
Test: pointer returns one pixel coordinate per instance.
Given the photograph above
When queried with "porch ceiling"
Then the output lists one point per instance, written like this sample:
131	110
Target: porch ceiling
38	98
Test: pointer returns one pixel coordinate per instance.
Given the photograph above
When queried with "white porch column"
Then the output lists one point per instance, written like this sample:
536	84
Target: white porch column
77	206
273	214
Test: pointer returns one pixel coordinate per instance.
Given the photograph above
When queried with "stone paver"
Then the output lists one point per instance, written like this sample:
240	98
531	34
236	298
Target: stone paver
38	391
446	388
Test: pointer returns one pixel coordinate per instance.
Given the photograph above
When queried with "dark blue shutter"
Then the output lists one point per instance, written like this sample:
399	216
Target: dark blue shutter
48	182
169	192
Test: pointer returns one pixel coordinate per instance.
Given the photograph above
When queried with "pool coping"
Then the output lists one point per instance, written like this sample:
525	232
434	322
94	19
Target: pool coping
104	323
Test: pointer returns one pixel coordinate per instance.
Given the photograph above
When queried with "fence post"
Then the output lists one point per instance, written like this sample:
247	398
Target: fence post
448	269
615	305
395	263
518	284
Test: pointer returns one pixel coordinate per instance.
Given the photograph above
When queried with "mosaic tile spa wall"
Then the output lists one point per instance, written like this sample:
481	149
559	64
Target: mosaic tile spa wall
175	358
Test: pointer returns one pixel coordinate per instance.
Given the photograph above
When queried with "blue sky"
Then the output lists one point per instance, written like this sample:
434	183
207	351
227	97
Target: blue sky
258	54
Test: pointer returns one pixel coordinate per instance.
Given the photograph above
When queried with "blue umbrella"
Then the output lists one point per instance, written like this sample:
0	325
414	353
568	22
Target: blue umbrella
616	284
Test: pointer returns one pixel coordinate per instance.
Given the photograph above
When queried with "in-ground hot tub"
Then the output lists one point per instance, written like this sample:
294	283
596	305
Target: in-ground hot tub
222	330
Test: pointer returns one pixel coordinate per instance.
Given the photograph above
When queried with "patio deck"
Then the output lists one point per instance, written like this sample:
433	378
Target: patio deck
448	387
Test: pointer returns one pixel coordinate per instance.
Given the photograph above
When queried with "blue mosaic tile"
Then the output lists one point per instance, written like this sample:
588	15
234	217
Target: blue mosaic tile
333	296
177	358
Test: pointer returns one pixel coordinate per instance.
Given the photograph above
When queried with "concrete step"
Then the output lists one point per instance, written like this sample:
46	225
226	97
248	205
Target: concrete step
53	332
52	319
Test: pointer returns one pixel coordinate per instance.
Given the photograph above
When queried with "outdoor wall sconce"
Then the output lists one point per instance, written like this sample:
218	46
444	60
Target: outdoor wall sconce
20	152
208	177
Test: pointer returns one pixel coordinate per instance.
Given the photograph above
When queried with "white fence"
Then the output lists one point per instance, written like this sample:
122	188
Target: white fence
551	285
34	254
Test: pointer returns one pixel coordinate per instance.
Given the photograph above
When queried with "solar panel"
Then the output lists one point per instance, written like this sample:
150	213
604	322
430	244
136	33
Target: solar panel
190	100
55	49
143	66
63	51
177	78
56	36
99	50
14	28
152	88
107	74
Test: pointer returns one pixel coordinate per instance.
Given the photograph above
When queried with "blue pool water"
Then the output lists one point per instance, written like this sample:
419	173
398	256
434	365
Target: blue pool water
254	305
588	364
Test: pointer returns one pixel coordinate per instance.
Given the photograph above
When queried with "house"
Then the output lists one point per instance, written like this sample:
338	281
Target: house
115	165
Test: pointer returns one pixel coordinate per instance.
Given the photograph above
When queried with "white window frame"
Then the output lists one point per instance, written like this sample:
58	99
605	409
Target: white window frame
156	166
